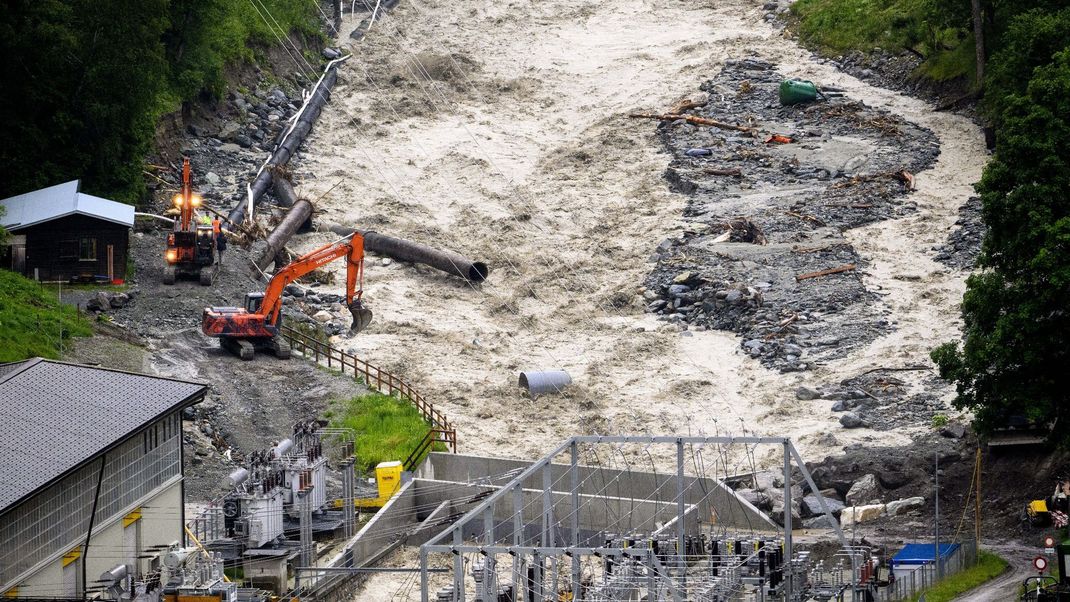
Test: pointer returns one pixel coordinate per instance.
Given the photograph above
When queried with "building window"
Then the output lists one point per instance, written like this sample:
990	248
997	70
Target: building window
87	249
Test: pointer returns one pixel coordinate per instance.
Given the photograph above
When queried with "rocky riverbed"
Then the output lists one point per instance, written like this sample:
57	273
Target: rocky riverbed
768	208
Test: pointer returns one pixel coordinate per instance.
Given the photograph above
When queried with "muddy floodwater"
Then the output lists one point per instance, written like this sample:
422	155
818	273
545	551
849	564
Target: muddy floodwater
500	130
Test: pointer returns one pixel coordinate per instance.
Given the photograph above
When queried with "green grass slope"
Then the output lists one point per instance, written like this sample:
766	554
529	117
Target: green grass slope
32	320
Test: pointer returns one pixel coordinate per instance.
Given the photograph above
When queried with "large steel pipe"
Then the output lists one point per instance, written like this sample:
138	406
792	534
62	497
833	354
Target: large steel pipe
291	139
276	241
414	252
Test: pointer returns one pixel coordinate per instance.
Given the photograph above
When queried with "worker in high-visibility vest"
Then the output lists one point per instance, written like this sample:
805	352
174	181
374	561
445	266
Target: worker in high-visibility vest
220	240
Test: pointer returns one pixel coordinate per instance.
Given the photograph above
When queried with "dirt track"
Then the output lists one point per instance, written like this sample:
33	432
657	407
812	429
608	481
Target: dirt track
497	129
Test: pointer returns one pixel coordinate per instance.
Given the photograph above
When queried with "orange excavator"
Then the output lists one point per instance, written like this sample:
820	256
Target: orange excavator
243	330
191	246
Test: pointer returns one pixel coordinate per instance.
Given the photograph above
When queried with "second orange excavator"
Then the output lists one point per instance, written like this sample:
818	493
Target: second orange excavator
243	330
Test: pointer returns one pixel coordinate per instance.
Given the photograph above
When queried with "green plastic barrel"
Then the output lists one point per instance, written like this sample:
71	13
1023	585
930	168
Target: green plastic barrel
794	91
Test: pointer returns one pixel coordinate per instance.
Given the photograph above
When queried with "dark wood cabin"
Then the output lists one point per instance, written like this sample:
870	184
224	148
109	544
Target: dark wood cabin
60	234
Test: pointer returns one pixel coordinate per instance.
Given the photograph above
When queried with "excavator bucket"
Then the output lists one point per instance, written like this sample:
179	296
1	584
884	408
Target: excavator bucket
362	316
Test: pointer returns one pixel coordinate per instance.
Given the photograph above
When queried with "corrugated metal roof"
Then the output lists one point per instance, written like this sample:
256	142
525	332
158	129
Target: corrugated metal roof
58	201
57	416
922	553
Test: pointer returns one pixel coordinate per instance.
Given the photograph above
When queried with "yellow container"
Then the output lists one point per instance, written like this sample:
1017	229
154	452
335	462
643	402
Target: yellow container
388	478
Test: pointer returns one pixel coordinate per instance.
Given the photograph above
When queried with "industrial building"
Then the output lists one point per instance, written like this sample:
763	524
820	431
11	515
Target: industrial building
77	438
58	234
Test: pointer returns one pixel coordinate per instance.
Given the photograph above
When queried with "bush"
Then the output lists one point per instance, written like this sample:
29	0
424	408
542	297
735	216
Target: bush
1013	356
89	79
33	322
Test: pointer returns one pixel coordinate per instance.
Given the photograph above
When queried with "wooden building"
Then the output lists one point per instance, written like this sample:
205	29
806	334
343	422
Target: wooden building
58	234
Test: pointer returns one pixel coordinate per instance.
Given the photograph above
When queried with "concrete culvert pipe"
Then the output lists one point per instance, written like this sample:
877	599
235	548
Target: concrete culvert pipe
543	382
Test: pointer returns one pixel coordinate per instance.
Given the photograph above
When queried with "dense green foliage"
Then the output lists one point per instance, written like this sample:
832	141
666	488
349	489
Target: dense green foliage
1014	357
32	321
387	428
85	81
939	31
988	567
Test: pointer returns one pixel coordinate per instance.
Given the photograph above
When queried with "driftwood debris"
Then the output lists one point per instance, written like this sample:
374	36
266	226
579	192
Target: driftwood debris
687	103
692	119
723	171
804	217
843	268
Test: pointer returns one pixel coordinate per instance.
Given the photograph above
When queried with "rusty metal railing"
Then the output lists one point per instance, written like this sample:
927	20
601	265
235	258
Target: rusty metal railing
382	381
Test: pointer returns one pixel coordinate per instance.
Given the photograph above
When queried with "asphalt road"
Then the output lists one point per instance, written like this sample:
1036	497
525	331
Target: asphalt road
1005	587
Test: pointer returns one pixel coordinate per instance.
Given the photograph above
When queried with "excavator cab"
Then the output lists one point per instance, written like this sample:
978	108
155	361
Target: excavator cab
253	301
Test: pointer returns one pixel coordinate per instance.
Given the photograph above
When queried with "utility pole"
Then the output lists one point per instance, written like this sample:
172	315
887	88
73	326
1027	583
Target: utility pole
936	497
977	503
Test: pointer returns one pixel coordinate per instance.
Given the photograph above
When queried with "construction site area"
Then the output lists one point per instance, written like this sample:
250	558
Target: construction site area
663	329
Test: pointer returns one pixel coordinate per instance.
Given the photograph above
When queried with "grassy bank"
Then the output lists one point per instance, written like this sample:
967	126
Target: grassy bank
32	320
988	567
925	28
387	428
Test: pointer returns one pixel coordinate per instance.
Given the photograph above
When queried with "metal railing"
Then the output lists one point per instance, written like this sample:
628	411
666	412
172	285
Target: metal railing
442	429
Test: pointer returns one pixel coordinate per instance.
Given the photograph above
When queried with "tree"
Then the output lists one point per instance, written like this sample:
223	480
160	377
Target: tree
1014	356
80	80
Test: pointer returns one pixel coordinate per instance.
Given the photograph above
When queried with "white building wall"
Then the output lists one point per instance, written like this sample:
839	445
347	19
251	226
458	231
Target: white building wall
160	522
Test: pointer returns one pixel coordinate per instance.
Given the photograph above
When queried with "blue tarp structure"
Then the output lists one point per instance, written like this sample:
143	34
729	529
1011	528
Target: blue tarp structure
922	553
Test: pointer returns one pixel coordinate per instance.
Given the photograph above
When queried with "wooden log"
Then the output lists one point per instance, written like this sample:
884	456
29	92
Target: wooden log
691	119
843	268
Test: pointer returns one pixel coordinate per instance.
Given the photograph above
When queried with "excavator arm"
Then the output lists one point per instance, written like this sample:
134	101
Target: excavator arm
352	248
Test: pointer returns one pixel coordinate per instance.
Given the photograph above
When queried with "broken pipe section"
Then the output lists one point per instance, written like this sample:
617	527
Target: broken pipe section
414	252
543	382
298	215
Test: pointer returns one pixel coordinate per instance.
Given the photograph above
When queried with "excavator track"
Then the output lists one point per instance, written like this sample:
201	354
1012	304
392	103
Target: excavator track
239	347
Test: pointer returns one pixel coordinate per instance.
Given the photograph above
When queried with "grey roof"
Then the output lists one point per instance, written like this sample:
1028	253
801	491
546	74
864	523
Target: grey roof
58	201
56	416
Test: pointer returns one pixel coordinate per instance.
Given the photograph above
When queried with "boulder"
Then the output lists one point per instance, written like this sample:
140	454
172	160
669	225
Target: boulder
900	507
98	302
811	505
755	498
806	394
864	490
764	481
119	300
819	522
851	420
954	431
322	316
777	511
853	515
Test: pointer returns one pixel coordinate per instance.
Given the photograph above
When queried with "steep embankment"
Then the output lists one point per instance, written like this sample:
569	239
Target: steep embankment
500	130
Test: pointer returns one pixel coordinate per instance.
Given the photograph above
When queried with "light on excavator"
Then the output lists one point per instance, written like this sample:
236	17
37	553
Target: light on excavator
171	255
177	200
195	200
